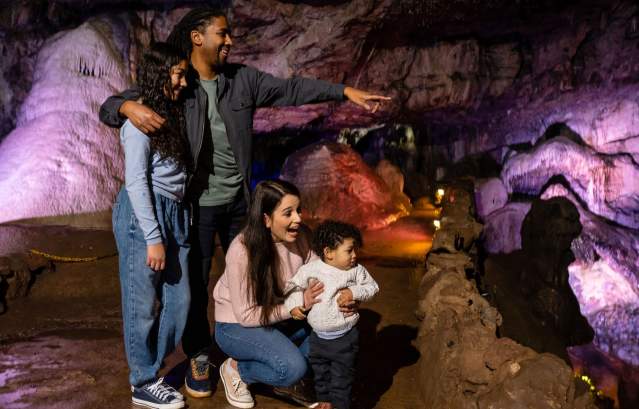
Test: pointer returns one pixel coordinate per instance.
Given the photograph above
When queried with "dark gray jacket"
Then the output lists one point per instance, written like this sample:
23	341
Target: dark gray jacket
241	89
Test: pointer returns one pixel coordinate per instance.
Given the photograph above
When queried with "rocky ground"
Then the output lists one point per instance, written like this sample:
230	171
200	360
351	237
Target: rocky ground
61	345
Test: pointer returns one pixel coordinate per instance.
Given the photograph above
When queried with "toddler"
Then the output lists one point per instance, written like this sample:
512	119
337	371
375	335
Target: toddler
335	340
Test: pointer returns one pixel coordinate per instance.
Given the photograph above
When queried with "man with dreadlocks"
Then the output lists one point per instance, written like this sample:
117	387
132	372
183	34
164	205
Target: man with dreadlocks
219	105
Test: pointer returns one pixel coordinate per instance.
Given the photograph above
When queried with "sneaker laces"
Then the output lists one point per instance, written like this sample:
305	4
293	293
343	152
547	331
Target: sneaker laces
239	387
161	390
171	389
201	367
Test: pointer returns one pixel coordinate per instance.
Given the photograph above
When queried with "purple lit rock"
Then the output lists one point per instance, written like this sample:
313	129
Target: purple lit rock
502	228
335	183
490	195
608	184
597	286
610	305
616	245
617	331
610	128
60	160
605	280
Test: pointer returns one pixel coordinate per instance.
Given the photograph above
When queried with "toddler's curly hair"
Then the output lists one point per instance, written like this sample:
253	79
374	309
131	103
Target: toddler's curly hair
332	233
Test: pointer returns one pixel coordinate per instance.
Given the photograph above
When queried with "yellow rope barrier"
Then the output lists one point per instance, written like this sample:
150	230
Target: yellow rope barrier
66	259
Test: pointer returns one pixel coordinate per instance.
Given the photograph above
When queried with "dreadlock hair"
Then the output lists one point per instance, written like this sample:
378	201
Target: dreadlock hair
197	19
264	283
332	233
154	79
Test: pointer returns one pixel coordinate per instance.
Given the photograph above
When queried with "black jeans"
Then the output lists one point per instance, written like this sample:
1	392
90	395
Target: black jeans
333	363
225	220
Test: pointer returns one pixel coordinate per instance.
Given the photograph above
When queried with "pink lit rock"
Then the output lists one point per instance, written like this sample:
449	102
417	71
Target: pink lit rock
502	228
60	160
336	184
490	195
608	184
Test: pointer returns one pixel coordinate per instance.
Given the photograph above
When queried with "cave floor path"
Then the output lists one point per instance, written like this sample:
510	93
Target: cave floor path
61	346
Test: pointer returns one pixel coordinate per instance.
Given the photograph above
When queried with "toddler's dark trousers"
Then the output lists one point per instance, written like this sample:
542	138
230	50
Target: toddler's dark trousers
333	363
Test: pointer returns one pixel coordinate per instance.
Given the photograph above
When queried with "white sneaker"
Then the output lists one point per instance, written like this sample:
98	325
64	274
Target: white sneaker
236	391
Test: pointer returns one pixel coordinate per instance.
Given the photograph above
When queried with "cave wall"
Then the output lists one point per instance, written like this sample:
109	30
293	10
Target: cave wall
547	91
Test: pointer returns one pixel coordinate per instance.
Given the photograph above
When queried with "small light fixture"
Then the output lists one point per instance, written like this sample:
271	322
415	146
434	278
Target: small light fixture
437	224
439	195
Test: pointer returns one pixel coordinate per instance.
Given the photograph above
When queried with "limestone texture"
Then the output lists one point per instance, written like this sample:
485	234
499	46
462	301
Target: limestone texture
608	185
60	159
490	195
502	228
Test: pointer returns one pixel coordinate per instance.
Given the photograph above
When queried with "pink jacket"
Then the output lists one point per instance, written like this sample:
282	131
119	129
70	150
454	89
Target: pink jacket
233	303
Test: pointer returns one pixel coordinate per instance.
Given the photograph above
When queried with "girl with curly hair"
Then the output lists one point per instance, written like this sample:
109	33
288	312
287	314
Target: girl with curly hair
150	224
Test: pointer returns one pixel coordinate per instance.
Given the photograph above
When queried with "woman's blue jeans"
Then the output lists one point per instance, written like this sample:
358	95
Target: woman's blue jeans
275	355
154	304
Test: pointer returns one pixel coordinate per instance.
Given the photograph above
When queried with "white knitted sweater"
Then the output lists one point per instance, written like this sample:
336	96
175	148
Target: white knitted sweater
325	315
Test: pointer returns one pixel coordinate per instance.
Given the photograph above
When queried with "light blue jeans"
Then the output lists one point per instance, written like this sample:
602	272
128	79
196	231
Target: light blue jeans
155	305
275	355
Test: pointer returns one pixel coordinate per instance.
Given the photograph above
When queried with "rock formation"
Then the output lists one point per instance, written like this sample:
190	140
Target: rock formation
336	184
609	185
604	279
502	228
463	363
60	159
546	90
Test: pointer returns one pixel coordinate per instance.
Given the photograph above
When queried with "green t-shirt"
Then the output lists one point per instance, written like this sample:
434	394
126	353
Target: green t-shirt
225	179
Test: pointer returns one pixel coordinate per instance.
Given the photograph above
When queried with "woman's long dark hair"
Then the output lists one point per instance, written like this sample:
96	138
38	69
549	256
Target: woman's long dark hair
264	283
154	79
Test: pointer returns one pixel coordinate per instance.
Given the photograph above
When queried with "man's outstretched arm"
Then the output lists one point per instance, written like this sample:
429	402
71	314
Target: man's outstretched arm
272	91
117	108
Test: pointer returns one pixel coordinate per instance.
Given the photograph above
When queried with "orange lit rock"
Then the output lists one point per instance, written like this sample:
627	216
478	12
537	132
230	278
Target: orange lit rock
335	183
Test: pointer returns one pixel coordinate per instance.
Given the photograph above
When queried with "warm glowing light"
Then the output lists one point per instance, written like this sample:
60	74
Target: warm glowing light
593	389
439	195
437	224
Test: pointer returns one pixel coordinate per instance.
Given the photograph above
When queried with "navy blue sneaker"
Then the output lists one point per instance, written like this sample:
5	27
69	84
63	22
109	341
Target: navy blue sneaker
157	395
197	381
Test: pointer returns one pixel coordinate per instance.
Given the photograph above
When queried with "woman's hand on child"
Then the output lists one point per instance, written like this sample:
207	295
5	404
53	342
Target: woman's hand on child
346	304
155	256
298	314
345	296
314	289
350	308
